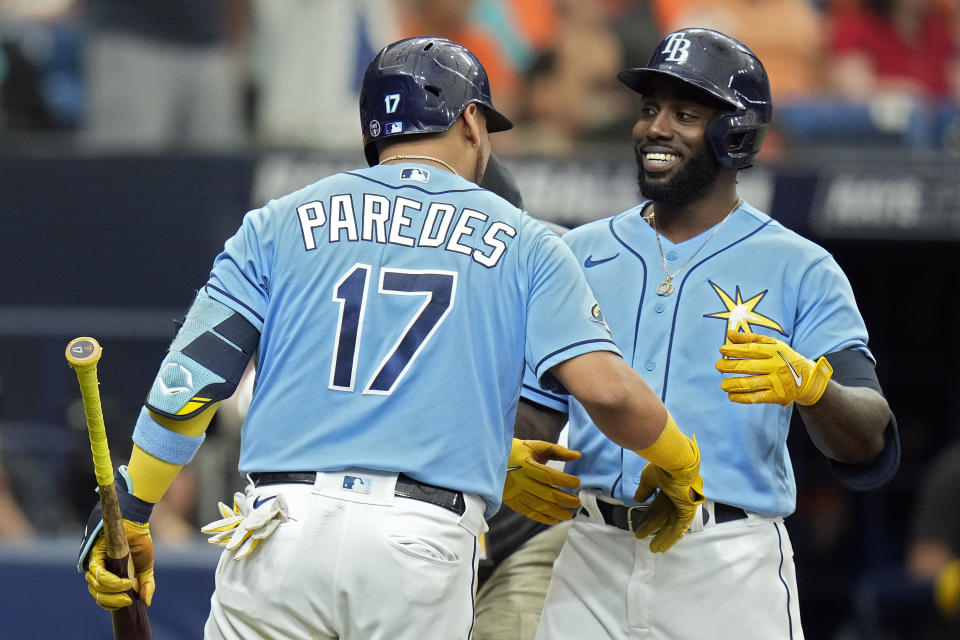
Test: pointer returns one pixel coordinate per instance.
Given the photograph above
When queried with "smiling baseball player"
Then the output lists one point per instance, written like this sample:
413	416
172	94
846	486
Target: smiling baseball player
690	275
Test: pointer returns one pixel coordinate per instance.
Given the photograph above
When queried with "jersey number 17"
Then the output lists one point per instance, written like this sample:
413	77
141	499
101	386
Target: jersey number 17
437	287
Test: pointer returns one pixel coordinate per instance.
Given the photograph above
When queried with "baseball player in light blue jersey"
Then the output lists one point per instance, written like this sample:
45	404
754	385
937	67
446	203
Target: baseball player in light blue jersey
391	309
690	275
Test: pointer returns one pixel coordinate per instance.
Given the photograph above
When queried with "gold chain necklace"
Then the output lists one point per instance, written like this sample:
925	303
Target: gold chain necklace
665	288
413	157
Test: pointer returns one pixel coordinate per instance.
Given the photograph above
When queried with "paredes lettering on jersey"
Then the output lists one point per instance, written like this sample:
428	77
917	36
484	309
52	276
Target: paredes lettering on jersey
380	220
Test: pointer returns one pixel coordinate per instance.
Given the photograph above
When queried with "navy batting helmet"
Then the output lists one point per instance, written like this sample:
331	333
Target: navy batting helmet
725	69
422	85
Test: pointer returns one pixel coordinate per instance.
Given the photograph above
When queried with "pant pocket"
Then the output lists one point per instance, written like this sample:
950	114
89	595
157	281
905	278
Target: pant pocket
428	567
424	549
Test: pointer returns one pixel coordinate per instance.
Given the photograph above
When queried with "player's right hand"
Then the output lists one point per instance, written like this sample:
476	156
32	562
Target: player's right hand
531	486
108	589
672	510
773	372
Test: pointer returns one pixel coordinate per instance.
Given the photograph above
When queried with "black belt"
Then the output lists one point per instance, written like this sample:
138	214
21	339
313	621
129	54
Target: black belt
628	518
406	487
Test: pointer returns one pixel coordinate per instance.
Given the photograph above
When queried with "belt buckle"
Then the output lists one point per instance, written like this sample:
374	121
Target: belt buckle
642	507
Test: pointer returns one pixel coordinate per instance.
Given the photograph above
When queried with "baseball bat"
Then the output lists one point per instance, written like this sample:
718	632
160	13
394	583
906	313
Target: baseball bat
129	623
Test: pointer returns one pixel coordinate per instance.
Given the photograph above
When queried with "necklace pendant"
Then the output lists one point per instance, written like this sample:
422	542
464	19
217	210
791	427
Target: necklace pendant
665	288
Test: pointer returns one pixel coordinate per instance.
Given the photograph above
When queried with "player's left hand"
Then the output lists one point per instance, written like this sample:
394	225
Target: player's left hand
109	589
775	373
531	486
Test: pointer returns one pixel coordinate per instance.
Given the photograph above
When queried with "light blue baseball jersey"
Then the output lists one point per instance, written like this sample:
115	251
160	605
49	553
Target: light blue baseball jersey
754	275
397	305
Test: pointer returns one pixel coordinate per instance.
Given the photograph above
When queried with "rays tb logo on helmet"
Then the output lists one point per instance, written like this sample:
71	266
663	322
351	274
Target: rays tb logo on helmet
422	85
676	47
727	71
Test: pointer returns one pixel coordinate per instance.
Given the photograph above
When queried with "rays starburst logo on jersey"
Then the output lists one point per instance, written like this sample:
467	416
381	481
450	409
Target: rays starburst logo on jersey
741	314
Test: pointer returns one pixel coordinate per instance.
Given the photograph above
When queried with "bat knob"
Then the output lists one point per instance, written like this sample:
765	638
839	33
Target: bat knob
83	352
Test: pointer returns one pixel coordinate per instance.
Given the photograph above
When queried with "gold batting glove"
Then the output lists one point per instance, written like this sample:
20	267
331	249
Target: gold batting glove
946	590
673	509
109	589
531	486
775	373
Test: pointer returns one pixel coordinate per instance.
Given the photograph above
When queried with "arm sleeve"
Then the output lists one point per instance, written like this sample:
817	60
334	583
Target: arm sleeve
852	368
563	318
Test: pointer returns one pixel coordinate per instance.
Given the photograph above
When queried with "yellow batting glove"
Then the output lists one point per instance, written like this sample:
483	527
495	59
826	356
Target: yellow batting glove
108	589
531	486
673	509
946	590
775	373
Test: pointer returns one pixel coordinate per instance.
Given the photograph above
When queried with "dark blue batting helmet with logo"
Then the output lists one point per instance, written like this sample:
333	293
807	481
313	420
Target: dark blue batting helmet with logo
725	69
422	85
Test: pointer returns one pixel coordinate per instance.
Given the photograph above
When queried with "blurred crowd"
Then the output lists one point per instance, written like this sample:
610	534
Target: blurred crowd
223	74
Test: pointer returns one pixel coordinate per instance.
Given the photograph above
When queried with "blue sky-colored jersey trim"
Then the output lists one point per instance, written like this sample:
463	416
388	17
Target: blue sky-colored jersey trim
240	302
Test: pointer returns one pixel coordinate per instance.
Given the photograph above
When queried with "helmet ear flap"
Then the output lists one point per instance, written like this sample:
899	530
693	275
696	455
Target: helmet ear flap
733	141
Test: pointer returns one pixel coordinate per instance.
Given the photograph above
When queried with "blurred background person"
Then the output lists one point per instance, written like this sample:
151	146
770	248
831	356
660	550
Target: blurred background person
307	59
41	84
165	74
891	77
933	553
919	599
523	28
900	59
569	98
14	525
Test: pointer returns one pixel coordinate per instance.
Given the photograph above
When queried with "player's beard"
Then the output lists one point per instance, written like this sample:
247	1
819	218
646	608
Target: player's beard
687	185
